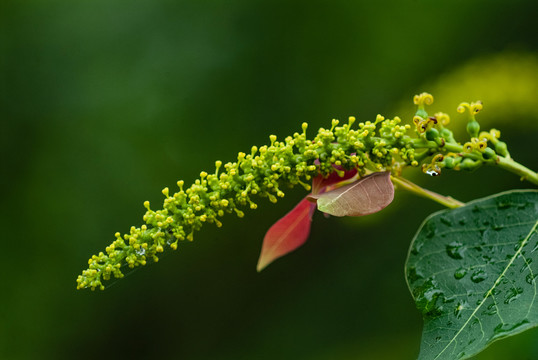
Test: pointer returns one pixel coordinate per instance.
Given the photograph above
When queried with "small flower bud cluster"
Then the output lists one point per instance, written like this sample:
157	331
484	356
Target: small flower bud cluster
265	172
443	150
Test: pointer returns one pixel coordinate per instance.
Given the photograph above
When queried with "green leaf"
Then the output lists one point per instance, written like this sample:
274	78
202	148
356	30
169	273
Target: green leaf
472	273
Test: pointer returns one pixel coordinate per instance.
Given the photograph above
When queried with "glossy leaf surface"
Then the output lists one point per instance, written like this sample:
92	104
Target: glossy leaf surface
287	234
362	197
472	273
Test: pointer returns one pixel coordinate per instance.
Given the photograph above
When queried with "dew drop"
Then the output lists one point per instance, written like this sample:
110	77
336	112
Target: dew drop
430	230
458	310
455	250
526	266
479	276
512	295
460	273
427	296
523	205
433	172
446	221
413	274
503	204
490	310
501	329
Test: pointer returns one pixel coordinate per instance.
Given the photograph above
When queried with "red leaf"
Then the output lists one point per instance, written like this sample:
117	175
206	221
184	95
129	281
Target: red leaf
319	183
287	234
362	197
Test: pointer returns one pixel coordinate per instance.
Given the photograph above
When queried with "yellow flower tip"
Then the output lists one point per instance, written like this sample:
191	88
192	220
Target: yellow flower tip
463	106
495	133
159	249
117	235
166	192
335	122
146	204
272	138
190	237
351	120
253	150
482	145
379	118
443	118
180	184
468	147
423	99
476	107
203	174
218	164
173	246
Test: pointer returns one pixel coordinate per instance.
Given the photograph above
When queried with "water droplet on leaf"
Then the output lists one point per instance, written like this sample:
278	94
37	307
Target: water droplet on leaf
513	294
491	310
462	305
460	273
478	276
413	274
455	250
530	279
501	329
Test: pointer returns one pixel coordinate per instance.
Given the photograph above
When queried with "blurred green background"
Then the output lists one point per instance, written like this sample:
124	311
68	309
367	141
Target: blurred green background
104	103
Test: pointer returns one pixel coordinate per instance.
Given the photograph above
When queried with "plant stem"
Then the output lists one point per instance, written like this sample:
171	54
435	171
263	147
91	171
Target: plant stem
414	188
518	169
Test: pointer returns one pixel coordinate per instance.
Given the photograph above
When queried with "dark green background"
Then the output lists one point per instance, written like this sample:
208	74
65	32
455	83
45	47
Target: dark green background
104	103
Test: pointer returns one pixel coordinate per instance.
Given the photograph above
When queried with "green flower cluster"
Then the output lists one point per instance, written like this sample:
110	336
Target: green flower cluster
437	142
373	146
381	145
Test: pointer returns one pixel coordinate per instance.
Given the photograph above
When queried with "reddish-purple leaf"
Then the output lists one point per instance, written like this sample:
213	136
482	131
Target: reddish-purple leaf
362	197
287	234
319	182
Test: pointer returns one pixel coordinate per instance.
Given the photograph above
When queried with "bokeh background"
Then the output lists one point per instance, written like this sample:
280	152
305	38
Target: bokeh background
104	103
